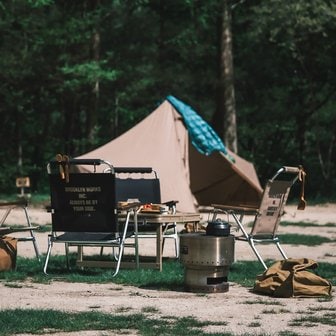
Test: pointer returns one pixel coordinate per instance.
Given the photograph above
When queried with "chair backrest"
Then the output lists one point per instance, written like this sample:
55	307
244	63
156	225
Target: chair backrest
138	185
273	201
271	208
85	203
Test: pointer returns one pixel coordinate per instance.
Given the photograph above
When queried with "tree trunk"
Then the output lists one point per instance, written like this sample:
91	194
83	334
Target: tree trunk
224	119
92	113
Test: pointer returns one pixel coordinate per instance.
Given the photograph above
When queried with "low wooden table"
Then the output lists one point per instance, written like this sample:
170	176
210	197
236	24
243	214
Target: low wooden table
160	219
157	219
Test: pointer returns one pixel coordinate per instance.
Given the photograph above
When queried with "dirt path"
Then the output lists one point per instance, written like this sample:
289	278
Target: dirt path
244	311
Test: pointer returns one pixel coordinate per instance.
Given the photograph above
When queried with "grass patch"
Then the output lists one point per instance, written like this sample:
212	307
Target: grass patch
325	299
275	311
308	240
150	310
35	199
44	228
171	278
41	228
269	311
327	318
264	302
307	224
254	324
288	333
50	321
319	309
123	309
245	272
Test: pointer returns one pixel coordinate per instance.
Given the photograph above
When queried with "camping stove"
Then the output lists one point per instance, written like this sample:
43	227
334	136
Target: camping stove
207	260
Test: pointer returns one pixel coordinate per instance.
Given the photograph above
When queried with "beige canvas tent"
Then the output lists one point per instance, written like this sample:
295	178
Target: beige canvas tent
162	141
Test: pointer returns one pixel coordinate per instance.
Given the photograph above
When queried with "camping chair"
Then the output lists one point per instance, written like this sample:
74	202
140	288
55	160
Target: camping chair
143	185
268	215
4	230
84	212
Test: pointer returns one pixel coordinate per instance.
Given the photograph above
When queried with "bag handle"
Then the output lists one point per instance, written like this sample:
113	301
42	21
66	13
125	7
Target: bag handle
302	201
9	248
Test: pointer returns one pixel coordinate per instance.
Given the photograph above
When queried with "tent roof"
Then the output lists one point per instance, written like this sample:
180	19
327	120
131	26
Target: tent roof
161	141
158	141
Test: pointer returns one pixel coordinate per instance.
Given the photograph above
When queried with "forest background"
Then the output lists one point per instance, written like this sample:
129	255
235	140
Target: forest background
76	74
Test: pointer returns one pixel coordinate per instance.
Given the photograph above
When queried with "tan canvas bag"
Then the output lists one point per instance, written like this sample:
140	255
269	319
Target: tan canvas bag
8	252
292	278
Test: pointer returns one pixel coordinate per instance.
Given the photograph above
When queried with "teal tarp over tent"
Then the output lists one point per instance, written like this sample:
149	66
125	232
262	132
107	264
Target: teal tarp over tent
202	136
192	162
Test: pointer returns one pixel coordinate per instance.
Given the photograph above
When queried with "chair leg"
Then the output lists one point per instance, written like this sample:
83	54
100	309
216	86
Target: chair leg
33	238
281	250
5	215
121	249
50	243
174	235
251	242
66	247
121	245
176	241
276	241
240	225
177	246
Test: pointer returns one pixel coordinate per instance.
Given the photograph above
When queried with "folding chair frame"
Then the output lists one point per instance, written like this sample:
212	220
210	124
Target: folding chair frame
268	211
129	189
104	236
20	204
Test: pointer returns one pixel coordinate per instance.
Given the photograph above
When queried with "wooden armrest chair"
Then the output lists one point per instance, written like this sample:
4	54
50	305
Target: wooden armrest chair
268	215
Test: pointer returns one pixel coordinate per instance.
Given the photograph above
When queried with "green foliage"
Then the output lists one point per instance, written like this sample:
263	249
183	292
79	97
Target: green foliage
285	87
86	73
40	3
75	74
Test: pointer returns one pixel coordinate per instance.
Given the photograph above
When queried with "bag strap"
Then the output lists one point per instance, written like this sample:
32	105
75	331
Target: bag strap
305	264
302	178
4	241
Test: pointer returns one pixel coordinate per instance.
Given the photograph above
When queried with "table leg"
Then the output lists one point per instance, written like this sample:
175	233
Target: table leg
80	253
136	239
159	242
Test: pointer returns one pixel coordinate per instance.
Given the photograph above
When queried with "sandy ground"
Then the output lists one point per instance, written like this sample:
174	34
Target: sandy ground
244	311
